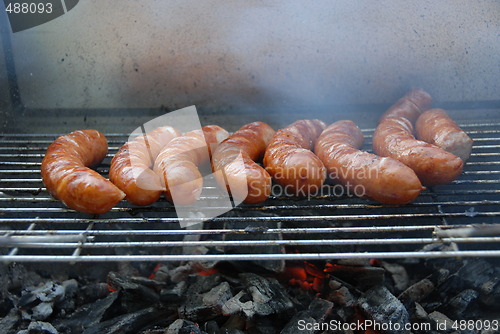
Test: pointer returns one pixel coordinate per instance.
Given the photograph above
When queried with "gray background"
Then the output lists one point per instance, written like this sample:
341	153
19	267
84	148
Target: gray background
245	54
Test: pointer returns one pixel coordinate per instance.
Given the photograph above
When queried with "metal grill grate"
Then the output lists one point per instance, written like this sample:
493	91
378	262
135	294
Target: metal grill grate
463	215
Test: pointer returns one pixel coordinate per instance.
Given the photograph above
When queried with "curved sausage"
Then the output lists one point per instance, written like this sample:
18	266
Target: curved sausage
381	179
130	168
410	106
67	176
394	138
290	161
436	127
234	163
177	164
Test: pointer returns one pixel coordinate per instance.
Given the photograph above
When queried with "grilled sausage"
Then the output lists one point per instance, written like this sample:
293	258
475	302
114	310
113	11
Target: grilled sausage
436	127
235	167
410	106
394	138
177	164
131	167
67	176
381	179
290	161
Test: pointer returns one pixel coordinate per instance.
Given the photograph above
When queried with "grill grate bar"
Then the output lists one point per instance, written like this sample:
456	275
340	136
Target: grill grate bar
464	213
247	257
41	242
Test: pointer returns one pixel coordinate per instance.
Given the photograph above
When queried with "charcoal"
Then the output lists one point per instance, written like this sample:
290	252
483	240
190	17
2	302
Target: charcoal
40	312
6	304
136	296
181	326
39	327
9	321
268	296
130	323
261	296
174	294
297	325
92	292
363	277
342	296
88	315
444	323
379	305
211	327
398	274
205	298
457	305
418	291
234	322
477	272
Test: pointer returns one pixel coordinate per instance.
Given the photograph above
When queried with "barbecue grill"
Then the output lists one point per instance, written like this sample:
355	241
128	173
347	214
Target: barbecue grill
462	215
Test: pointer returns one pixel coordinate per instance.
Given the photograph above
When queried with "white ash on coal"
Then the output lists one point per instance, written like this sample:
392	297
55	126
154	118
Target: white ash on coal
187	298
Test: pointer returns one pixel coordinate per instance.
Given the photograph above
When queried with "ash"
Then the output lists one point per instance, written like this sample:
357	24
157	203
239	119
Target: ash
302	297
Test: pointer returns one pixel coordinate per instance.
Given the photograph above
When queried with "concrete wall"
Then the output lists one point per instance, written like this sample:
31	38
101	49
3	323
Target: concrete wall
135	54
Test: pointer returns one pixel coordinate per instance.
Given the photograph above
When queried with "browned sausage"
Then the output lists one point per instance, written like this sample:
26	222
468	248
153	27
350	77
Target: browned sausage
410	106
177	164
381	179
394	138
436	127
67	176
234	163
290	161
131	167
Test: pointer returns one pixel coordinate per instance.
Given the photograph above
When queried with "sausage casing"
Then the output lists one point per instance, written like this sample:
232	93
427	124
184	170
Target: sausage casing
394	138
381	179
131	167
234	163
177	164
290	161
67	176
410	106
436	127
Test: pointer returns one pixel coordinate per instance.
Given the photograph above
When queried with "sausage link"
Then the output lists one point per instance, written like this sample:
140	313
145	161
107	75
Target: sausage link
436	127
67	176
394	138
130	168
410	106
235	167
290	161
177	164
381	179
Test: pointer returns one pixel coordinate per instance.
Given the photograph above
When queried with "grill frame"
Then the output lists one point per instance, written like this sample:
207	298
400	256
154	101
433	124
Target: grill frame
36	228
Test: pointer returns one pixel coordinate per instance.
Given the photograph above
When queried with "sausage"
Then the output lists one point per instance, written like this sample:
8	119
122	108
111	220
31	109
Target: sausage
394	138
436	127
67	176
177	164
290	161
381	179
410	106
234	163
130	168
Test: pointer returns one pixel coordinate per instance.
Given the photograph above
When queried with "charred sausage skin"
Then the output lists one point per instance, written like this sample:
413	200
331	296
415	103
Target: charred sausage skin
67	175
290	161
234	163
394	138
177	164
131	167
435	127
381	179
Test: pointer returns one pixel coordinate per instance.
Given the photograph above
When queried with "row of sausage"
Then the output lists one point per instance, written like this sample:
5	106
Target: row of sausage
299	157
